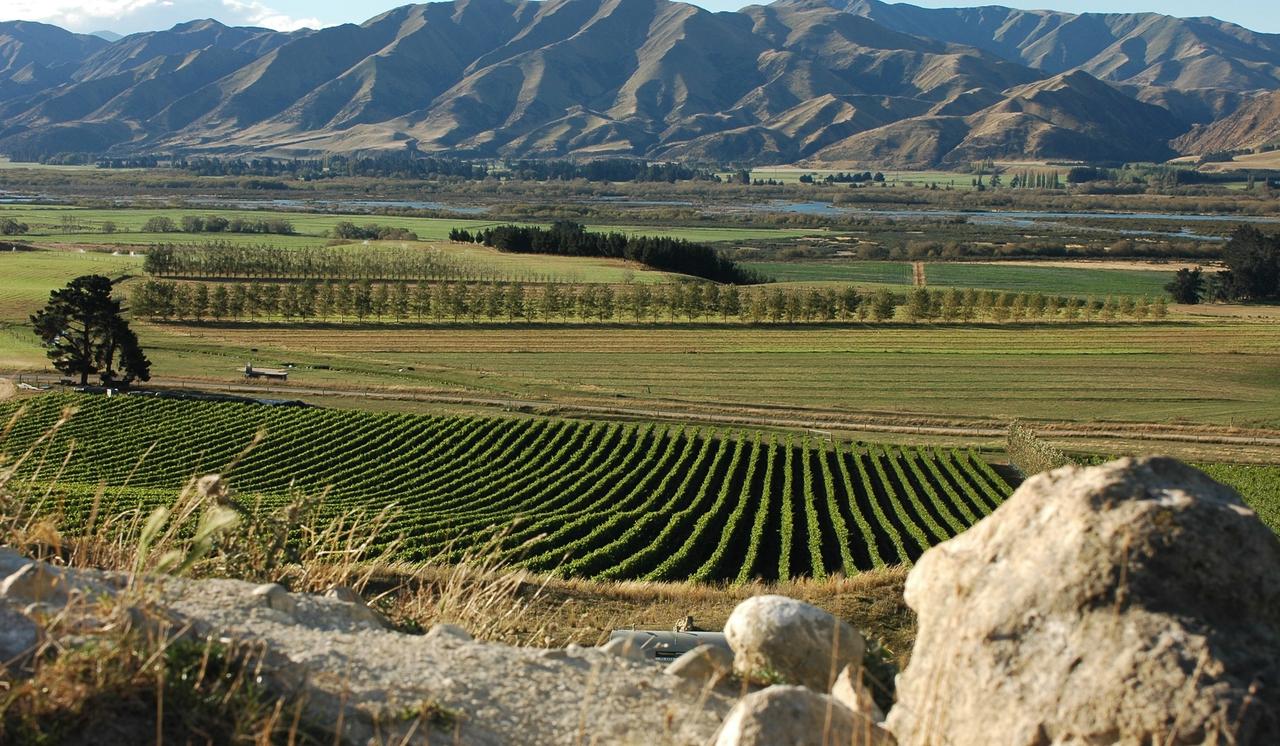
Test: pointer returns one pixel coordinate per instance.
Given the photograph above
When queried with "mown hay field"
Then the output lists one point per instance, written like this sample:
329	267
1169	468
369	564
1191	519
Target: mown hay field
1205	373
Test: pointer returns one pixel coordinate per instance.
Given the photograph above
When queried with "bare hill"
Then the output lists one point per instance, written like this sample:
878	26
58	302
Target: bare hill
1254	124
1148	49
1070	116
584	78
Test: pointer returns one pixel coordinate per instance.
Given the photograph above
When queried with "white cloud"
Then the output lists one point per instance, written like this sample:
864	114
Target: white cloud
261	15
127	16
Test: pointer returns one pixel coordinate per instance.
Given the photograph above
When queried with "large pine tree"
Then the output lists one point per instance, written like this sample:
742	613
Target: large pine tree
84	330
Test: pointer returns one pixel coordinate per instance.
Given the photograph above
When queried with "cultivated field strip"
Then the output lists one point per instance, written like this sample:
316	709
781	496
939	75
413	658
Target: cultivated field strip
602	500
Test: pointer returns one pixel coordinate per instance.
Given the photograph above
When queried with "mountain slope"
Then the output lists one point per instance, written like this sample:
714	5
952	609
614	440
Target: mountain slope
35	56
1069	116
1140	48
1254	124
584	78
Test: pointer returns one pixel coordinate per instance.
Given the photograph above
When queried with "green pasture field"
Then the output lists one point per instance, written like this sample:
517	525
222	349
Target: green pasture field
557	268
29	276
8	165
47	222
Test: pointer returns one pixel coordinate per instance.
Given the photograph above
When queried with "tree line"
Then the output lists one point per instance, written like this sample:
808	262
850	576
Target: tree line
565	238
11	227
594	303
218	224
843	178
410	166
1252	274
1253	265
372	232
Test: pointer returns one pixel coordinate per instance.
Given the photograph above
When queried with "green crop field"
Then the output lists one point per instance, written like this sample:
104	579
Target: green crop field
1019	278
859	272
1060	280
615	501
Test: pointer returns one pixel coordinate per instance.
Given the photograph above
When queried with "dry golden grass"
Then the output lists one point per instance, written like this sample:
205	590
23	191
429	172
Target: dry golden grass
519	608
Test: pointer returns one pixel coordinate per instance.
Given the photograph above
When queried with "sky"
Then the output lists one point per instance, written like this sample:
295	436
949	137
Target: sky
128	16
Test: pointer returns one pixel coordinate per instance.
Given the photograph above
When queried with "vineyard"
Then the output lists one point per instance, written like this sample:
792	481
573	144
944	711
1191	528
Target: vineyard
1258	484
602	500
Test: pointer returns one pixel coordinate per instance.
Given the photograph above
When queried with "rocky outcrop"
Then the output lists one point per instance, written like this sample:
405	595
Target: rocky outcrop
1135	603
777	638
1254	124
350	670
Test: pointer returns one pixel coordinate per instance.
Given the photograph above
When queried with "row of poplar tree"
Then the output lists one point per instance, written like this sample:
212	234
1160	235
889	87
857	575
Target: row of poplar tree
457	301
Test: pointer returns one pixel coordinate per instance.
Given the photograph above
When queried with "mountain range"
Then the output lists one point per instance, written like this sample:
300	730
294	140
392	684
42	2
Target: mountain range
795	81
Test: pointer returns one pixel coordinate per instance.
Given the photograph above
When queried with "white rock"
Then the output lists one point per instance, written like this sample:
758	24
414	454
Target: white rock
1136	603
851	691
274	596
705	665
356	608
792	640
491	694
450	632
797	716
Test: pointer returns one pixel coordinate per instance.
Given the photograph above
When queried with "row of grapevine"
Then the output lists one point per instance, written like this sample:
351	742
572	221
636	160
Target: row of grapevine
606	500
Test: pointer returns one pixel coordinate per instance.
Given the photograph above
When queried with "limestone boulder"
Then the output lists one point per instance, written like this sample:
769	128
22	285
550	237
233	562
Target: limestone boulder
852	691
705	665
778	638
1134	603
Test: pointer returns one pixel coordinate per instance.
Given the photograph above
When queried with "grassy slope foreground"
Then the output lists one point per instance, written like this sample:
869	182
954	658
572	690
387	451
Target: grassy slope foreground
614	501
